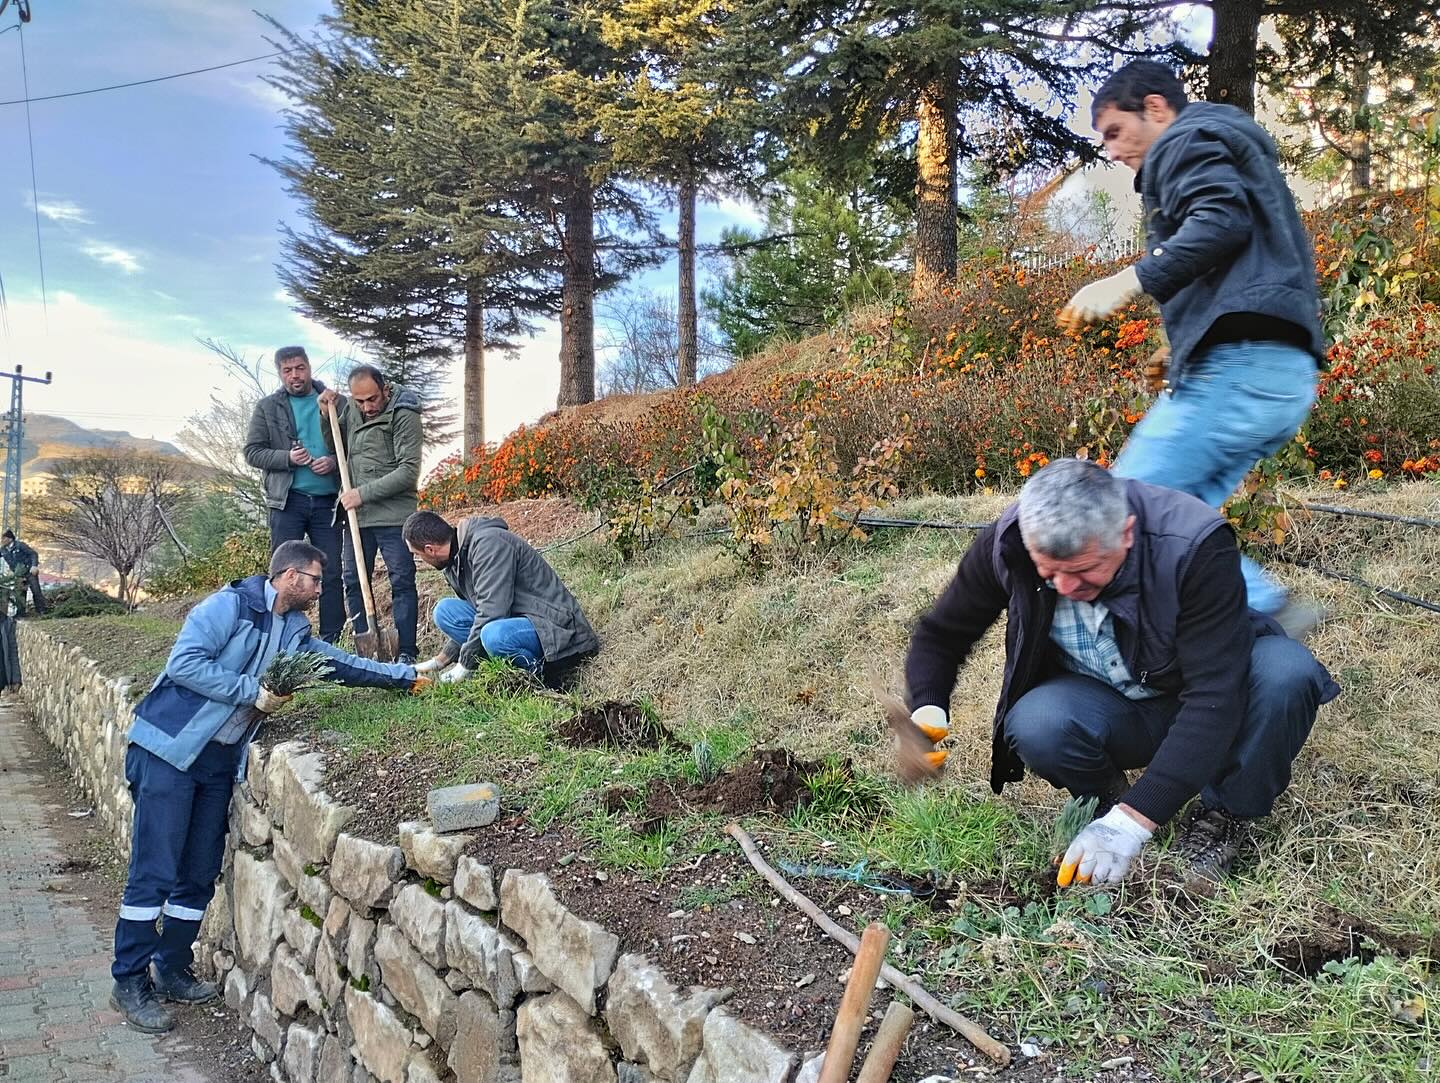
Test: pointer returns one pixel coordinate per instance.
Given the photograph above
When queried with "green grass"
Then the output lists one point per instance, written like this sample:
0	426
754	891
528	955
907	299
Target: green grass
134	646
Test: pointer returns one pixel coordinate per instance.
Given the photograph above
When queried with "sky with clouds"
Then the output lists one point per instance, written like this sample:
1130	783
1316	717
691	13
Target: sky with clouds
159	226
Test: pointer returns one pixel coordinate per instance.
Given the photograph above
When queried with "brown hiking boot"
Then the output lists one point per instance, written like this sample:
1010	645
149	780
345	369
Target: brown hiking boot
1206	845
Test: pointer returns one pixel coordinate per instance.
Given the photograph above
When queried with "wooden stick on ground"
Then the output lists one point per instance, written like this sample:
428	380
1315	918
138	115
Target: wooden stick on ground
969	1030
855	1004
888	1041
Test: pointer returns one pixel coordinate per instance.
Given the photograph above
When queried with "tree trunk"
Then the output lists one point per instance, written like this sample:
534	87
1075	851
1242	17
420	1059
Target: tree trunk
688	362
935	238
473	411
577	297
1233	43
1360	149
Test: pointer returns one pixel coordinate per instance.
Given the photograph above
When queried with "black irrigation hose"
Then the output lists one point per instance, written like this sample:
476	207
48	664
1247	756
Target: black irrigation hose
1412	520
1399	596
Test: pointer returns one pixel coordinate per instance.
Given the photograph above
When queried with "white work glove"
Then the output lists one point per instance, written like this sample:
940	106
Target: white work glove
457	672
932	722
434	665
1104	851
269	702
1094	302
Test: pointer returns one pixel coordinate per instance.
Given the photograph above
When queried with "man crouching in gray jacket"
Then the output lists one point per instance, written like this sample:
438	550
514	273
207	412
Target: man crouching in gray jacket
511	605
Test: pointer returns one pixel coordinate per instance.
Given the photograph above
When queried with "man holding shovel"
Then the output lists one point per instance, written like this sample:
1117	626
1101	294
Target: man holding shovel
187	746
286	443
380	424
1128	646
1230	265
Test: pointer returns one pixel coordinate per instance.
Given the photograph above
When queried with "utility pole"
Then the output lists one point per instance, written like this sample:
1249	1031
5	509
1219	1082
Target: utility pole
12	428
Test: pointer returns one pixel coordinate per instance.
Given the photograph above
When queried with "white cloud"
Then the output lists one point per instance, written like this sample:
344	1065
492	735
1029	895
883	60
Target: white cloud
739	212
113	255
59	210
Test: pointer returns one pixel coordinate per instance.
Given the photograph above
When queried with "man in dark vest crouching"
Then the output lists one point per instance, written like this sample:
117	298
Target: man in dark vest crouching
1128	646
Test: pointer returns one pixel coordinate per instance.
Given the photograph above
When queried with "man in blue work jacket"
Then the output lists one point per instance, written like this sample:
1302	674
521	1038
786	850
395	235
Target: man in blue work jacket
187	746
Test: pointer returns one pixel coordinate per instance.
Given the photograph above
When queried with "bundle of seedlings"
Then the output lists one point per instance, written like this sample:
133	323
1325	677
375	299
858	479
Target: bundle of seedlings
288	673
1075	816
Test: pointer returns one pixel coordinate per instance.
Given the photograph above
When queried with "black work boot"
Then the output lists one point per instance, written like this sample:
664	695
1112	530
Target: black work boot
1206	845
134	998
183	987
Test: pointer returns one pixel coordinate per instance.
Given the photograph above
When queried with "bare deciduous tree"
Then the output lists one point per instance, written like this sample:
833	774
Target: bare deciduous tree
641	347
112	505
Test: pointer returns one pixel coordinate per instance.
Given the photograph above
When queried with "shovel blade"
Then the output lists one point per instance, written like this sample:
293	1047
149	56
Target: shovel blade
367	645
389	649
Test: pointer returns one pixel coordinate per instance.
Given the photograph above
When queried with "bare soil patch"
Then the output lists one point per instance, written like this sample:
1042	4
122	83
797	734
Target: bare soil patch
771	780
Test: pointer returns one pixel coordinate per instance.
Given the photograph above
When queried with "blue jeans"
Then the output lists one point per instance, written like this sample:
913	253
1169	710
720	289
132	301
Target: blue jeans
1236	403
399	566
305	517
1073	731
176	848
510	639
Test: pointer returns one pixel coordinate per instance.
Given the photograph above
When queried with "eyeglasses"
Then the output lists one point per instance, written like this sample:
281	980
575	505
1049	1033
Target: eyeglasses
308	575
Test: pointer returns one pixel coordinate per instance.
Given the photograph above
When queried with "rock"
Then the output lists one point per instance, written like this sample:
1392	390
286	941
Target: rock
419	990
576	955
357	947
559	1043
263	1052
529	976
314	892
327	972
302	935
336	1064
291	986
302	1053
735	1053
430	854
255	777
254	824
337	918
277	773
382	1040
237	989
482	953
365	872
457	981
266	1024
421	917
475	884
420	1070
632	1073
655	1025
217	927
483	1050
261	898
810	1070
312	820
456	808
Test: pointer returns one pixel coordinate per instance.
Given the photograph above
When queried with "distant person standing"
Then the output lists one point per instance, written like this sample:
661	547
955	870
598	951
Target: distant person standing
1230	265
24	563
383	437
286	443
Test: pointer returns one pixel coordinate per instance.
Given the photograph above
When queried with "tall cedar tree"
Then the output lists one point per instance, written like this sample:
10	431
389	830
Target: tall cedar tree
558	80
676	126
974	79
1316	36
412	247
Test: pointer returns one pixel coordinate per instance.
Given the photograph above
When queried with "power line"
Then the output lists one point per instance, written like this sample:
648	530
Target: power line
34	187
140	82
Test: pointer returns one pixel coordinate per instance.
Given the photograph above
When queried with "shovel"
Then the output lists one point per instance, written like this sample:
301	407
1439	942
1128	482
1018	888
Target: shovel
380	644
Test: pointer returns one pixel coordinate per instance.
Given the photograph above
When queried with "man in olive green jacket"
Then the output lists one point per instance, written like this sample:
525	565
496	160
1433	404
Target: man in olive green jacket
381	426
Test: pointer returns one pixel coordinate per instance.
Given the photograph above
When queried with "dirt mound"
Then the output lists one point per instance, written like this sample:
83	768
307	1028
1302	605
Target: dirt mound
1343	936
623	725
769	781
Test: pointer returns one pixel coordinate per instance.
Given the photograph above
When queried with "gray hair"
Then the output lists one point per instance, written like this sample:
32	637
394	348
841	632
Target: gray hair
295	554
1070	504
287	353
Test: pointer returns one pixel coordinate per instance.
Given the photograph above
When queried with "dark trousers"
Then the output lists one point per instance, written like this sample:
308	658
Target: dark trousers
399	566
177	846
312	518
24	579
1073	731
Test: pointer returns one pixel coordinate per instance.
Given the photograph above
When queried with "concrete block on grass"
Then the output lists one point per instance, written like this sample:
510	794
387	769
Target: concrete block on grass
456	808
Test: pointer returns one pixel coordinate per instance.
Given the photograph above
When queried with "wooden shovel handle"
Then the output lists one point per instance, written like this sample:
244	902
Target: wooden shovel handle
888	1041
350	514
855	1004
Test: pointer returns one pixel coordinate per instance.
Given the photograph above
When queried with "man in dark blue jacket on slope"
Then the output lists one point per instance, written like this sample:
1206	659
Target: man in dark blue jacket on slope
1230	264
187	745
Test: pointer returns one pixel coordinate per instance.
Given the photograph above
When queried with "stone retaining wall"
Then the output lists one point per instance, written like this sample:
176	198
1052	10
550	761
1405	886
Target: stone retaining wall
354	961
84	715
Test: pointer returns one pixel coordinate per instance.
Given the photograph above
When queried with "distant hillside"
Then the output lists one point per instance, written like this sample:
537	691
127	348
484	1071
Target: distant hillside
48	437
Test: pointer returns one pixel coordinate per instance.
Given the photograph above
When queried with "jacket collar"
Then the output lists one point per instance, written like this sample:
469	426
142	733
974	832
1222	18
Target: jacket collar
256	592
